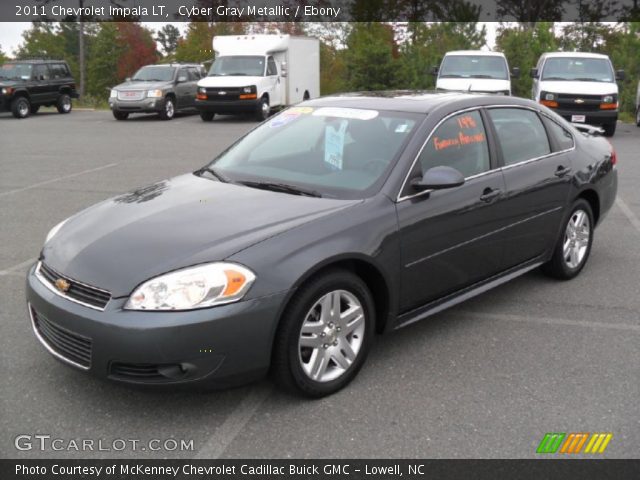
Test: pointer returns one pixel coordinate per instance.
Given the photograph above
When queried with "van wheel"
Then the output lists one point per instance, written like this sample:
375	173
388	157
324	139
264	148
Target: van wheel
263	110
169	109
120	115
574	245
306	95
638	117
609	129
207	116
20	107
325	335
34	109
64	103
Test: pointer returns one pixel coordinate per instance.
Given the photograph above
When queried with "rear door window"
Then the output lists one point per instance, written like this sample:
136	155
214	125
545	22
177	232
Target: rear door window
563	139
520	133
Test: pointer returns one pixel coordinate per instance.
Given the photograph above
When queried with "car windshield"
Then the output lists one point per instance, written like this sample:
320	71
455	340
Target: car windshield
578	69
15	71
329	151
473	66
154	74
234	65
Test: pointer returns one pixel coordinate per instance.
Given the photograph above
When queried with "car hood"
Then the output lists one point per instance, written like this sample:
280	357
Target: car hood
121	242
128	86
579	88
229	81
474	84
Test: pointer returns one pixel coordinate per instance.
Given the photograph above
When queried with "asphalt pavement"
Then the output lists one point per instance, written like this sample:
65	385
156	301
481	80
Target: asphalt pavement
486	379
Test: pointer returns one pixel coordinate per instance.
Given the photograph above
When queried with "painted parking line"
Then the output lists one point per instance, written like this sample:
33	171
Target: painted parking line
57	179
15	269
633	219
226	433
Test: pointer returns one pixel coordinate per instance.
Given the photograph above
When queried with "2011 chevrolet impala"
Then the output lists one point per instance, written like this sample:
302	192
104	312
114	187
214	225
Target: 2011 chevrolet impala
332	221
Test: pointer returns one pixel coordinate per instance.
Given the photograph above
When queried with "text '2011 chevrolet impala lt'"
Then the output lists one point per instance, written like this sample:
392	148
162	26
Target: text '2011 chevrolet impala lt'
335	220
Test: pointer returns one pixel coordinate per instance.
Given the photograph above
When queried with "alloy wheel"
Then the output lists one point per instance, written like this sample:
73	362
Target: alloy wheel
576	239
331	336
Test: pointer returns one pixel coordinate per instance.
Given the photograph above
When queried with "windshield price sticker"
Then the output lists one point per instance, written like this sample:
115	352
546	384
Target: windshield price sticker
289	115
334	145
354	113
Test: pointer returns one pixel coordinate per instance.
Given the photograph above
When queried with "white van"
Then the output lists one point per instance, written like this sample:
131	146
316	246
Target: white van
579	86
259	73
475	71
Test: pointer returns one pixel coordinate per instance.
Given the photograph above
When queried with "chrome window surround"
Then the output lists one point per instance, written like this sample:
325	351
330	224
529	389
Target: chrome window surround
61	294
506	167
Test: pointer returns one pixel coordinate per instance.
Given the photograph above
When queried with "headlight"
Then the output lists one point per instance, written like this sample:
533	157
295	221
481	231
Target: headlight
194	287
247	89
608	99
202	90
154	93
549	96
54	230
7	91
113	94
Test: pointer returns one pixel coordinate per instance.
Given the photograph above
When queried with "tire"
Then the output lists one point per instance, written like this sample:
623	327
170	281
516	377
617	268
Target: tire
638	117
64	103
293	367
120	115
34	109
169	110
306	96
20	107
262	113
610	129
207	116
572	250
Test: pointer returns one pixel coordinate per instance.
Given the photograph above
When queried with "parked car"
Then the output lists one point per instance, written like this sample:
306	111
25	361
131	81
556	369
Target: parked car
475	71
335	220
259	73
638	106
27	85
163	89
581	87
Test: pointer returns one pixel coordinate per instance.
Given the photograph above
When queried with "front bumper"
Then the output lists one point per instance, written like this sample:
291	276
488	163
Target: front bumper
219	347
146	105
592	117
228	106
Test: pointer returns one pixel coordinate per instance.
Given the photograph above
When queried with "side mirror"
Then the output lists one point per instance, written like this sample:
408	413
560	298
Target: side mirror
534	73
438	178
182	78
620	75
128	79
434	70
515	72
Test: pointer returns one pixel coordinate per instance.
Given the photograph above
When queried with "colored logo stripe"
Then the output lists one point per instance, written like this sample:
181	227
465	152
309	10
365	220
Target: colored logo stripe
598	443
573	443
550	443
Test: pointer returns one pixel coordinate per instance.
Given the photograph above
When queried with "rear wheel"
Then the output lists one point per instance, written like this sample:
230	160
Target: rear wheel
169	109
263	110
325	335
207	116
64	103
610	129
120	115
574	246
20	107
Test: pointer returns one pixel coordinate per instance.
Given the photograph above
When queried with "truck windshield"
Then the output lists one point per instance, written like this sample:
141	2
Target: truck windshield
15	71
154	74
233	65
578	69
473	66
330	151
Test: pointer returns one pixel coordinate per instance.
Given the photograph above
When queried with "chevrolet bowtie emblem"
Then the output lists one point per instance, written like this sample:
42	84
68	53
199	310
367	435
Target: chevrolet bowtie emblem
62	285
222	93
579	100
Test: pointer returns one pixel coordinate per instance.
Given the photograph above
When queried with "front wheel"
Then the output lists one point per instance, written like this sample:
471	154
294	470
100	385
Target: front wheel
325	335
64	103
20	107
263	110
169	109
609	129
574	246
207	116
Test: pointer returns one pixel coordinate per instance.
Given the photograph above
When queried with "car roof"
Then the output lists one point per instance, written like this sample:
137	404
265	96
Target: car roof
35	60
479	53
574	55
412	101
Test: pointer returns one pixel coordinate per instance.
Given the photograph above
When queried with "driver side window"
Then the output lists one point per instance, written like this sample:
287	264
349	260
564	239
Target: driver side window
459	142
272	69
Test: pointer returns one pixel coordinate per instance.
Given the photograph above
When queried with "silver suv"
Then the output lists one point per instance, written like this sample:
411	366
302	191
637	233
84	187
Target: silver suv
163	89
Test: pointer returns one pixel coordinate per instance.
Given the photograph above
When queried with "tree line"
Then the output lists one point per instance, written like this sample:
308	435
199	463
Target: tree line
353	56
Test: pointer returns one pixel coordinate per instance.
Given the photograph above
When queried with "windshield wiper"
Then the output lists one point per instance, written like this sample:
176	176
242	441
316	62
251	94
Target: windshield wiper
555	78
237	74
216	173
283	187
587	80
482	76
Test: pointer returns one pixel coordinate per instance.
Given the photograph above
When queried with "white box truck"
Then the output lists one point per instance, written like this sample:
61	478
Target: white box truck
259	73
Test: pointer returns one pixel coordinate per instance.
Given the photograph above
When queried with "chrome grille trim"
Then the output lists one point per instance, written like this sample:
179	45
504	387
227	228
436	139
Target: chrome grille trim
81	286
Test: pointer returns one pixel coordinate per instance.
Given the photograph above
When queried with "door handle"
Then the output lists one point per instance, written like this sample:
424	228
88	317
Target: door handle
489	194
562	171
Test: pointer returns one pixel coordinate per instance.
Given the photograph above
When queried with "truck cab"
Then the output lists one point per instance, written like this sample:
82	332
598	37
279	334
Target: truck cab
259	73
475	71
581	87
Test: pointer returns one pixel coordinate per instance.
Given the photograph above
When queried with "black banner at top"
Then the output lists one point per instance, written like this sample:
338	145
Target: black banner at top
320	10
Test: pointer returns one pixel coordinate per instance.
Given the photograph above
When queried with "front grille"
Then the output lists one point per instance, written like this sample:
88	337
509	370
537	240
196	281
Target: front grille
222	94
67	344
589	102
131	95
78	292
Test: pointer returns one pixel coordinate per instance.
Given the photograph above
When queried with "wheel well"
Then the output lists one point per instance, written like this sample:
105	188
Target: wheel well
306	95
265	95
171	95
374	280
22	94
594	202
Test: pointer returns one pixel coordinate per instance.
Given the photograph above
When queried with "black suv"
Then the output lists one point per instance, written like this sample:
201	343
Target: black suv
26	85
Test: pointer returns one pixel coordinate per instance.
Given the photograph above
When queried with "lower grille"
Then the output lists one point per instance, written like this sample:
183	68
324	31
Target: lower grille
143	372
66	345
76	291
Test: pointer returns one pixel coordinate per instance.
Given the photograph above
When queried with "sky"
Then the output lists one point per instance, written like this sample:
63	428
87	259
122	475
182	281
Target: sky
11	33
